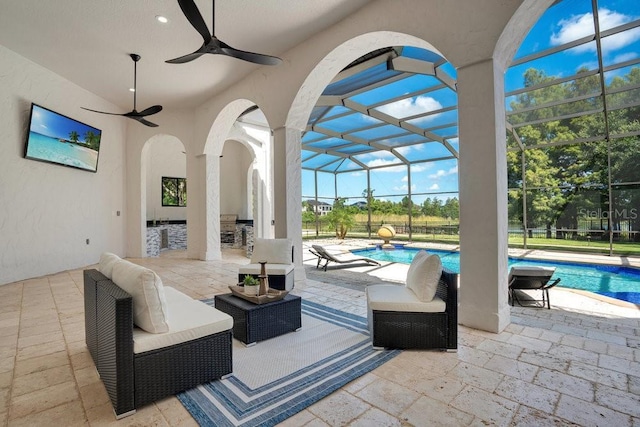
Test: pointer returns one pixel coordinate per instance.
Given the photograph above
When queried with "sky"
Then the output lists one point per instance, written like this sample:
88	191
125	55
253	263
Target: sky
48	123
565	22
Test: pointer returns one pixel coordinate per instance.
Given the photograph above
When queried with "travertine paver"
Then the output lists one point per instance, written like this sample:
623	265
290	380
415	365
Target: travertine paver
576	363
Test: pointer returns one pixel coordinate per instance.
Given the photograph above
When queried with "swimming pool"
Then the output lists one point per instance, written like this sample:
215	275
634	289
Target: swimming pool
617	282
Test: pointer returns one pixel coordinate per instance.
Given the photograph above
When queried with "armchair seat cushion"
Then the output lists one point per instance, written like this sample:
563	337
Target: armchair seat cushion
400	298
272	269
189	320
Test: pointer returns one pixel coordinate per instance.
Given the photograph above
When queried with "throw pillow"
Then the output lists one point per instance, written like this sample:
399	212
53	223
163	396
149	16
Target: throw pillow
423	275
107	261
274	251
146	289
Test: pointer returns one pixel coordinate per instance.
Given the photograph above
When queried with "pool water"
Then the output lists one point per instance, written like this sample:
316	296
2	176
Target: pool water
617	282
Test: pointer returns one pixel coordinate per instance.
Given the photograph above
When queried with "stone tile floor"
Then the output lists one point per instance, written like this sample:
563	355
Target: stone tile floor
576	364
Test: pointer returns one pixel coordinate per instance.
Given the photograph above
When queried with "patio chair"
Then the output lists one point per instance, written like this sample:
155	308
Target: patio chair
344	258
423	314
531	278
278	254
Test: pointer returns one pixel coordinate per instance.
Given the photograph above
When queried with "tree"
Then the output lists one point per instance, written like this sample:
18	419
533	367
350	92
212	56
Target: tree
92	140
341	218
73	136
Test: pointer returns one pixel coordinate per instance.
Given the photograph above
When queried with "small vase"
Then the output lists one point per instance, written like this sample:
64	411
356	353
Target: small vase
251	290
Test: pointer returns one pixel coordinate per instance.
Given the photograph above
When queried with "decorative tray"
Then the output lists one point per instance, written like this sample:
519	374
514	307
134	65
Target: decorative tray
272	295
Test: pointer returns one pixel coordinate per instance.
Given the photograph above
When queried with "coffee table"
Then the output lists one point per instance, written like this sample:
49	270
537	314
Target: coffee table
258	322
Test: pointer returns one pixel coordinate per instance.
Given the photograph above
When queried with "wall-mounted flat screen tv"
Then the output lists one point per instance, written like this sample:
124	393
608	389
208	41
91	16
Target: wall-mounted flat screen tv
58	139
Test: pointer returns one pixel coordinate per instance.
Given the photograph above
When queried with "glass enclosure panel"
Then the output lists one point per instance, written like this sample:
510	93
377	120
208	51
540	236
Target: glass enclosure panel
437	119
448	132
392	90
549	113
625	160
326	186
566	62
349	123
551	25
354	149
378	132
352	185
577	165
431	150
362	79
625	217
590	126
514	169
624	98
408	107
319	161
395	141
421	54
568	214
514	212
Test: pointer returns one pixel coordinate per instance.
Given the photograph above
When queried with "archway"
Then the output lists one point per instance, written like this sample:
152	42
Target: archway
256	167
164	194
348	53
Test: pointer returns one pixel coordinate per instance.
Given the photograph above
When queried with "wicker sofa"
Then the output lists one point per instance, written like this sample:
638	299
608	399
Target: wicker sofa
138	367
399	319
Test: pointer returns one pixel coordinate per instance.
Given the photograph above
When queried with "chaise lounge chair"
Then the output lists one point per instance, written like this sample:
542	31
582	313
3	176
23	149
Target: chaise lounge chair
531	278
344	258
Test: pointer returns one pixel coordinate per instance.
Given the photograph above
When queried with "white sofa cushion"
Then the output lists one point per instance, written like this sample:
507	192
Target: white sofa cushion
385	297
424	274
107	261
272	269
274	251
190	320
145	287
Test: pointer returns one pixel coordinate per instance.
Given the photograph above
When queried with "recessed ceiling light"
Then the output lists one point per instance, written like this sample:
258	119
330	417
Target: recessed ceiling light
131	89
161	19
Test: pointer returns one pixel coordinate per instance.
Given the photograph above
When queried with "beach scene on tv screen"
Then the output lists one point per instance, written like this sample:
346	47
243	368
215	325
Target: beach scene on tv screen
59	139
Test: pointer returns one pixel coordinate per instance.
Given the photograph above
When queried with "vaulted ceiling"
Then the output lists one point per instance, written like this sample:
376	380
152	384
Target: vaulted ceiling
89	42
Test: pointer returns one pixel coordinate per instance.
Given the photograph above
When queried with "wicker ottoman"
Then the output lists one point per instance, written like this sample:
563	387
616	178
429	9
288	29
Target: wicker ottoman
258	322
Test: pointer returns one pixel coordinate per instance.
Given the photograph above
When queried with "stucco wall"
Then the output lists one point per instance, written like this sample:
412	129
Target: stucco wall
48	211
233	179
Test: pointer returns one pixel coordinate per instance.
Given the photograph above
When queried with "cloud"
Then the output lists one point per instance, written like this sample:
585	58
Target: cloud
434	187
405	188
410	106
405	179
578	26
441	173
625	57
384	162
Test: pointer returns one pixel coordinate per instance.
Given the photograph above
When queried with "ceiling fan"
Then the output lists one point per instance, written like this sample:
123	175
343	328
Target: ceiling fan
138	116
211	43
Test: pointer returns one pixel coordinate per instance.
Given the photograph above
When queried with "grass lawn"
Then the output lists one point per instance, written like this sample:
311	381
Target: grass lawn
565	245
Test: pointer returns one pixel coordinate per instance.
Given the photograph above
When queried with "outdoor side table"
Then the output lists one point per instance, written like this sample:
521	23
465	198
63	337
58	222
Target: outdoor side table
258	322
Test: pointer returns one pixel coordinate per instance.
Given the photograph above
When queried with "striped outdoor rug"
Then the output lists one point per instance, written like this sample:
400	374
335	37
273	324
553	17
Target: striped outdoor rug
280	377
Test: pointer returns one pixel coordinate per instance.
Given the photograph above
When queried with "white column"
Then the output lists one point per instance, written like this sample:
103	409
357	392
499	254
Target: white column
203	207
483	198
287	191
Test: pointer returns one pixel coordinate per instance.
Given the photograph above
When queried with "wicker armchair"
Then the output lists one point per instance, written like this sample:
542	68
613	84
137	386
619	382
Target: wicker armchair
136	379
418	330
